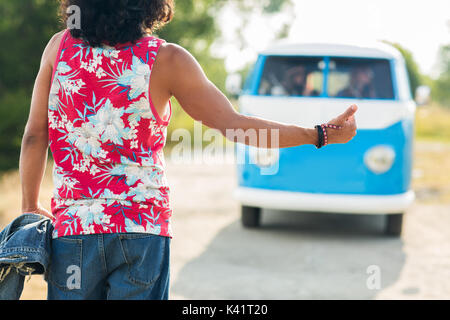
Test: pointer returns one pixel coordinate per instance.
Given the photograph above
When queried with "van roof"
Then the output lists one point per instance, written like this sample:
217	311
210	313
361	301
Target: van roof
369	50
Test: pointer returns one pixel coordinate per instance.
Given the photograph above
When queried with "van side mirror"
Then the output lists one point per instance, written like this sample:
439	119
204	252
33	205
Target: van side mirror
422	95
233	83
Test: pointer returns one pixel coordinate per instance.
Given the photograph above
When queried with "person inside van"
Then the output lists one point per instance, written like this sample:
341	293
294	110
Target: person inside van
360	85
296	84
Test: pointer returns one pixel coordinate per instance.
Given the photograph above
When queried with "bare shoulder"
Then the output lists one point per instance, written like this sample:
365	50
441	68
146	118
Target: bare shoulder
175	55
51	50
177	68
56	38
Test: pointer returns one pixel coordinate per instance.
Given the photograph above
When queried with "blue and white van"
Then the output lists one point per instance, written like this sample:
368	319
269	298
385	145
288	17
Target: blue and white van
309	84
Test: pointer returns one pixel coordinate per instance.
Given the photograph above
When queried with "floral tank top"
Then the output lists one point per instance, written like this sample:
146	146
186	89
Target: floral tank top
107	141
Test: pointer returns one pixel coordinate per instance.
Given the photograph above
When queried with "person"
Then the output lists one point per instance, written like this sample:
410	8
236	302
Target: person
101	102
295	82
360	85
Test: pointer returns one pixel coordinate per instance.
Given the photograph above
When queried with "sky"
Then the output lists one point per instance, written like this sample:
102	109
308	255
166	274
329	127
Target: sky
421	26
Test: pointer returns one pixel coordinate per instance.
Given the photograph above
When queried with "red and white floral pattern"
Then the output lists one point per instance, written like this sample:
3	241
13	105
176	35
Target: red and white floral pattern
107	139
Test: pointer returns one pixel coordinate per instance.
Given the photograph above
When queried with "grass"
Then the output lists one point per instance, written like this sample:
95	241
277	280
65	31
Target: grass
431	174
10	193
433	123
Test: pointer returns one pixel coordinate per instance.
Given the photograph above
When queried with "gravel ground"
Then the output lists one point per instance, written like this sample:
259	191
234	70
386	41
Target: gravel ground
298	255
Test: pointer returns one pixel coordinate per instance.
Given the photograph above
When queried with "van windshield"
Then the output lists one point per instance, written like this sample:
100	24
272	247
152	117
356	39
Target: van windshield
356	78
292	76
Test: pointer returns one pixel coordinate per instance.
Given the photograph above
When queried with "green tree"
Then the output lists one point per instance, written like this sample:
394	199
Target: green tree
415	77
25	28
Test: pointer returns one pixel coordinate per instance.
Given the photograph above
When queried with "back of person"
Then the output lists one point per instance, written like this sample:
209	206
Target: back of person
107	139
93	106
110	206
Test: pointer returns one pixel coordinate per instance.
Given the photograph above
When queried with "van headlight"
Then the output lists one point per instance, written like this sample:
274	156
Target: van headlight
264	157
379	159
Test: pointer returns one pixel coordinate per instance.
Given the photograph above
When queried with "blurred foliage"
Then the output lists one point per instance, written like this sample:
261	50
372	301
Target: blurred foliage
194	28
27	25
441	86
416	79
432	120
25	28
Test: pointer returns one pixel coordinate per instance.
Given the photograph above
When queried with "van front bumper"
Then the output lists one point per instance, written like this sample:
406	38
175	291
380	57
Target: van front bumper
336	203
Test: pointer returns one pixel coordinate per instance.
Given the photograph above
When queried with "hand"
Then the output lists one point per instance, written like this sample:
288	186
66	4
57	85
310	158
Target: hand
348	124
39	210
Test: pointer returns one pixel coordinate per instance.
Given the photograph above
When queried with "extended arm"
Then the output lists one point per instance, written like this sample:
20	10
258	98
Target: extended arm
204	102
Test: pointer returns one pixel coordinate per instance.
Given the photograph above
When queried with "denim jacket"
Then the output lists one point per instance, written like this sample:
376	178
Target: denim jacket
24	250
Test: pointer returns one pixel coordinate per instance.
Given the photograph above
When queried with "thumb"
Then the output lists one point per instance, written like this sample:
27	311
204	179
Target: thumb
348	113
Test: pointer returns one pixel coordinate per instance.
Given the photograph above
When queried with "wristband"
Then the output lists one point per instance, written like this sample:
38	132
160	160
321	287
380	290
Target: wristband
323	134
320	137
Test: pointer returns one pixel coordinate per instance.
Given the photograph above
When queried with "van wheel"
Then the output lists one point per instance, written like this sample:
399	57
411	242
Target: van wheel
251	216
394	223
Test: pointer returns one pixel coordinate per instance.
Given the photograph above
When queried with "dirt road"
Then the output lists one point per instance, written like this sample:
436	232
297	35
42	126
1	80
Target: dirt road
293	255
299	255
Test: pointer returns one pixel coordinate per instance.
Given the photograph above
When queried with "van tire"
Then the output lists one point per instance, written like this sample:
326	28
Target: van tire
250	216
394	224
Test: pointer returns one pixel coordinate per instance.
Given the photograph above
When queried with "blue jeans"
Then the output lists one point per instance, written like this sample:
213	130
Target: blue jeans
109	266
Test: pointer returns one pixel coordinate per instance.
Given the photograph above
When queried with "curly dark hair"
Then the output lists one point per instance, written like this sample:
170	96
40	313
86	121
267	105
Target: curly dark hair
117	21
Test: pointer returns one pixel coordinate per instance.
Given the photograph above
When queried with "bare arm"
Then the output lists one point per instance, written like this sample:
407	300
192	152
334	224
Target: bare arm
200	98
33	155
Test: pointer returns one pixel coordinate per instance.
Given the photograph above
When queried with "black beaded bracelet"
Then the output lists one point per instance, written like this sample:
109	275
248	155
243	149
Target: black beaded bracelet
321	137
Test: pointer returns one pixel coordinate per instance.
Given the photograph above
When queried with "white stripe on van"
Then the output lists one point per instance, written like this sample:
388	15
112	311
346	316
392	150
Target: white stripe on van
308	112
